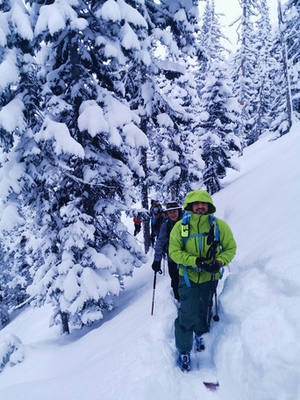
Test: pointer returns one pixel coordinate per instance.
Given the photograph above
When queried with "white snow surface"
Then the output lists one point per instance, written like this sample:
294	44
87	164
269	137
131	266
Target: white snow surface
8	72
253	351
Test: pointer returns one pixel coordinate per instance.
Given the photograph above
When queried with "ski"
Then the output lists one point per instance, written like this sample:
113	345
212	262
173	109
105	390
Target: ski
213	386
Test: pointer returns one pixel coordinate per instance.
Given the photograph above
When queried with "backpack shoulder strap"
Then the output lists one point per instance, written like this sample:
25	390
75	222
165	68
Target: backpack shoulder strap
213	222
185	226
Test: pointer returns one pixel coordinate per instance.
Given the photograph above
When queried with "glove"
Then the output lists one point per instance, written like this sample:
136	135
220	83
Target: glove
215	267
156	267
212	268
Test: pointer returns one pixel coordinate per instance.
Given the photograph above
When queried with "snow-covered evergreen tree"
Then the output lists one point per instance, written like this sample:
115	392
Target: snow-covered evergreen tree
100	106
291	19
263	70
162	91
175	99
244	69
281	111
219	110
84	159
19	115
170	150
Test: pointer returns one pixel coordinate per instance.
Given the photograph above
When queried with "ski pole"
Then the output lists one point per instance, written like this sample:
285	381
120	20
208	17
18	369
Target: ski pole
209	313
153	293
216	316
164	265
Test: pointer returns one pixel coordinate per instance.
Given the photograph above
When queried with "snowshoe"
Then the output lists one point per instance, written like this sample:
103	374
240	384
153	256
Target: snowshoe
199	343
184	361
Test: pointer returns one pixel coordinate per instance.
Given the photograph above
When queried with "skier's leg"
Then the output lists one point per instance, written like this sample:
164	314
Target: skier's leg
188	313
173	272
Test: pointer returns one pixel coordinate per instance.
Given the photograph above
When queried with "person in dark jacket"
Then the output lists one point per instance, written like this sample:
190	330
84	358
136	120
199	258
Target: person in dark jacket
174	214
156	218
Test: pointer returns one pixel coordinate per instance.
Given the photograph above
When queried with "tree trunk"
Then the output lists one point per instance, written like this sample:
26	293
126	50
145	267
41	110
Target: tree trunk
65	323
145	202
289	106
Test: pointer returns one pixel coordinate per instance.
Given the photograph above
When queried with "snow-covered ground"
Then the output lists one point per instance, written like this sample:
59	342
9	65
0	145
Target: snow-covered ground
253	351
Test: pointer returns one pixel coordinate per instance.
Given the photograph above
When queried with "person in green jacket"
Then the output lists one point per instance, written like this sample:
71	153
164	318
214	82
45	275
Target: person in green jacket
201	248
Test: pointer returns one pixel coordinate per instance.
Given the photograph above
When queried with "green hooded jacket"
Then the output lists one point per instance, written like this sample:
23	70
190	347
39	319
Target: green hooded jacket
186	255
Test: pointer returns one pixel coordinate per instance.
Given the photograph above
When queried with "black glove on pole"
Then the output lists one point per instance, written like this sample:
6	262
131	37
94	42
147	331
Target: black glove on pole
212	268
156	267
215	267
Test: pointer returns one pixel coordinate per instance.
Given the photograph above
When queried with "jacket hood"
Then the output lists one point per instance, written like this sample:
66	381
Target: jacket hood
199	195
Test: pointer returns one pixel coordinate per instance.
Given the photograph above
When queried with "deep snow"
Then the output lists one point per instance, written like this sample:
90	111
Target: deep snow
131	354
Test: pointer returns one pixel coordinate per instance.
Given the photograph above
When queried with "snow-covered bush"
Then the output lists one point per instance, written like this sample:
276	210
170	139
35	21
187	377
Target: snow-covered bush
10	350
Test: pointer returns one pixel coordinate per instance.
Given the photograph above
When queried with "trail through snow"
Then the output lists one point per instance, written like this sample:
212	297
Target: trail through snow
253	351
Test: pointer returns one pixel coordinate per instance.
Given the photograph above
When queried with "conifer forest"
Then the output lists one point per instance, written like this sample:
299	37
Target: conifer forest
107	104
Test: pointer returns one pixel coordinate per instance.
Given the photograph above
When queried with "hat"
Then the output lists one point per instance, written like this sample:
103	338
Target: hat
199	195
172	206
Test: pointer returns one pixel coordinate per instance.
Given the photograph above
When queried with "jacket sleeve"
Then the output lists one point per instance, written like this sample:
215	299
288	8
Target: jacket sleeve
227	242
161	242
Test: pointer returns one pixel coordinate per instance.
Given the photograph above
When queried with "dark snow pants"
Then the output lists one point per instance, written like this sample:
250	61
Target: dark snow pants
174	275
194	314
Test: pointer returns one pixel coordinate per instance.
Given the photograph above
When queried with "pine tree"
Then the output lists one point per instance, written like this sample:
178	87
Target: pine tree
19	115
291	18
218	125
263	70
157	88
175	98
244	70
281	97
170	149
85	161
218	110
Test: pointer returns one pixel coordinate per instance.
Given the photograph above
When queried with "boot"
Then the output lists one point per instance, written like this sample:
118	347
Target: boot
184	361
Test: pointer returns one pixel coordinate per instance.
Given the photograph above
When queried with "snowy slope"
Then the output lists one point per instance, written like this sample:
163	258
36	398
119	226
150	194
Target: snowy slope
255	346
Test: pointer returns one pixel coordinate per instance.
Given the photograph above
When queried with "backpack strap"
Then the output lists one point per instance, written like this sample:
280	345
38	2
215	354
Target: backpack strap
214	223
185	226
